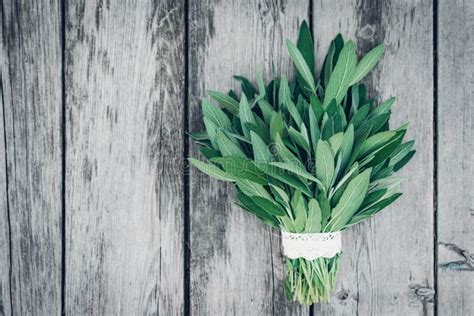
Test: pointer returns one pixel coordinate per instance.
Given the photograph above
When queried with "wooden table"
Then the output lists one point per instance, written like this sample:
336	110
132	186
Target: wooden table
99	216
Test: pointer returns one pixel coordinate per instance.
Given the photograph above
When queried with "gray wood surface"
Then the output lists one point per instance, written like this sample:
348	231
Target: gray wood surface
455	158
124	181
31	91
387	266
5	301
236	263
123	188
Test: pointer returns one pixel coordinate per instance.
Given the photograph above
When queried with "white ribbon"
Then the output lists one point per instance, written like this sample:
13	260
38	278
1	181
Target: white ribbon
311	246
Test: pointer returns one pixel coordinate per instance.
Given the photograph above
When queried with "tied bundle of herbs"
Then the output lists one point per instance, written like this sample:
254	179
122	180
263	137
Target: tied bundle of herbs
312	155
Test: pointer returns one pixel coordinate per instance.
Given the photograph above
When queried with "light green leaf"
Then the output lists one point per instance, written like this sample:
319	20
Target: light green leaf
252	189
245	115
261	152
226	101
227	147
342	75
313	223
346	147
215	115
324	164
301	65
211	129
350	201
374	142
277	126
269	206
367	63
298	138
241	168
335	141
211	170
293	112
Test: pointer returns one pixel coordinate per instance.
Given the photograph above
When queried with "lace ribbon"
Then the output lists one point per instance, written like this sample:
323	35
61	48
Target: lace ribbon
311	246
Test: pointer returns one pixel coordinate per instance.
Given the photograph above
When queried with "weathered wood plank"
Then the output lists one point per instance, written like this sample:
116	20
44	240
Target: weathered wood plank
5	266
387	267
124	187
455	162
32	109
236	262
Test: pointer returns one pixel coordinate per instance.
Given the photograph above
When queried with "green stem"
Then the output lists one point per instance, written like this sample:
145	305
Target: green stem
311	281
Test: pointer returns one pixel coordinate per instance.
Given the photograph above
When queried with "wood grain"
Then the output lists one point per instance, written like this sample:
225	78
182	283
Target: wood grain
124	178
236	264
387	266
5	266
455	162
32	110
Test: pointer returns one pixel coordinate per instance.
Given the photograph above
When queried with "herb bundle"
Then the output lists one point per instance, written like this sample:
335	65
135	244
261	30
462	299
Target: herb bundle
311	155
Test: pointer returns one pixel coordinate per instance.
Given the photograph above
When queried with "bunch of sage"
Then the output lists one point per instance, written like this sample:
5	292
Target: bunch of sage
309	155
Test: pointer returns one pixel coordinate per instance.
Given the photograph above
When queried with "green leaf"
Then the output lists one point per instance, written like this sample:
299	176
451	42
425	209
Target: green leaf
383	107
367	63
245	115
317	107
376	207
342	75
215	115
211	129
226	101
360	116
211	170
324	164
280	195
373	197
301	65
247	87
209	152
267	110
325	209
340	186
269	206
284	92
346	147
305	46
404	161
261	152
374	142
293	112
251	188
314	129
298	138
285	154
200	135
296	170
350	201
335	141
299	209
227	147
277	126
250	206
313	223
285	177
241	168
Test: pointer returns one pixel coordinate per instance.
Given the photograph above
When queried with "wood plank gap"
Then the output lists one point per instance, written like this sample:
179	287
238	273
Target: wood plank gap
310	22
63	156
6	175
186	215
435	155
6	186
